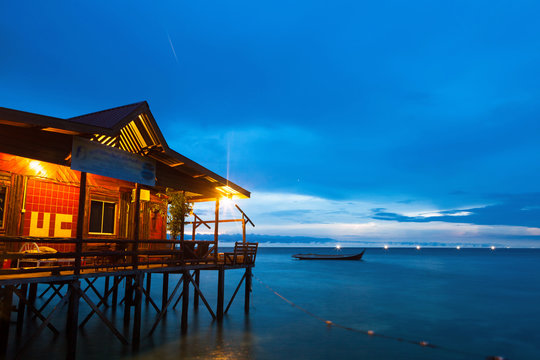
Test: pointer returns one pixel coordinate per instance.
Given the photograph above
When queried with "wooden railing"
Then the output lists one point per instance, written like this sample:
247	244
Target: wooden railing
101	255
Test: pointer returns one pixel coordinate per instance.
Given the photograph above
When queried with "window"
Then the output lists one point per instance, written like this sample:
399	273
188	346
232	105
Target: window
3	199
102	215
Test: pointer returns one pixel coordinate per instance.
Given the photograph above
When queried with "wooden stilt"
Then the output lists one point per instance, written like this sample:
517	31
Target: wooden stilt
116	284
148	286
195	293
72	319
185	303
220	294
165	292
127	299
136	335
248	290
32	294
106	289
20	309
6	294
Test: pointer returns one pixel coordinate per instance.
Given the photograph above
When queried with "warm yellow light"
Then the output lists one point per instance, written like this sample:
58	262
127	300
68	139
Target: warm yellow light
37	167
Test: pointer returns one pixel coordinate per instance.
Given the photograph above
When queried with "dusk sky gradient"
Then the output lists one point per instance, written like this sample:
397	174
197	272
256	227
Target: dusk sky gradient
399	122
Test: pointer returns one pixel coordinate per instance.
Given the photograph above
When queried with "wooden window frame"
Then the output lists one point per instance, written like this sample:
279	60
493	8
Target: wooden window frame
115	222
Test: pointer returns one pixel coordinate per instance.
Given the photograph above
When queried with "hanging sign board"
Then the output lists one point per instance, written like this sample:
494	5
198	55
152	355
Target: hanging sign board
96	158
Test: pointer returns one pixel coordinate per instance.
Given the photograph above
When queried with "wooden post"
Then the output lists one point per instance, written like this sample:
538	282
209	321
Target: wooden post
136	336
148	285
136	223
80	223
185	302
106	289
116	284
220	294
216	230
21	309
32	294
165	291
128	299
243	229
6	296
248	290
72	324
195	294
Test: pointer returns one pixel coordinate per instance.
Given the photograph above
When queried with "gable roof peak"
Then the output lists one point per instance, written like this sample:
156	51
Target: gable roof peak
108	118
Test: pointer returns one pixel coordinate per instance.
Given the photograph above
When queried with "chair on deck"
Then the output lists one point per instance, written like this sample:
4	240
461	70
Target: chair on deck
243	254
33	248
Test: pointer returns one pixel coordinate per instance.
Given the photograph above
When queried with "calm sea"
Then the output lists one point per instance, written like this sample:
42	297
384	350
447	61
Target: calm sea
467	303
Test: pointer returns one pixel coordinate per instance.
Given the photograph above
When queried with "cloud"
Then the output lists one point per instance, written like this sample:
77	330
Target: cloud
291	217
510	209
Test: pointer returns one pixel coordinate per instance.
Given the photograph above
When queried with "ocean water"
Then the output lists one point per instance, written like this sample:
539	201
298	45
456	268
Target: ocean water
467	304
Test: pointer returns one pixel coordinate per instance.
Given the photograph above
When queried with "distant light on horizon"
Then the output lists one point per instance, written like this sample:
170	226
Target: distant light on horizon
458	247
492	247
417	247
385	247
338	247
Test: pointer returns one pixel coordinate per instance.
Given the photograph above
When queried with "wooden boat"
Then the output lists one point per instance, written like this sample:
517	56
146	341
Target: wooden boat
329	257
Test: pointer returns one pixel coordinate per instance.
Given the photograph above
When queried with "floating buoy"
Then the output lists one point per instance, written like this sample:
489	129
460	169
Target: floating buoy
328	322
370	332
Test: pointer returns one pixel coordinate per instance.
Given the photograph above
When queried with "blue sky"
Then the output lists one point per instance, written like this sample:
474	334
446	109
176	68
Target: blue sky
382	122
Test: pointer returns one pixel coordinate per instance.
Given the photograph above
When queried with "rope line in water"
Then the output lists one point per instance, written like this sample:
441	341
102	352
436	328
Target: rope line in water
371	332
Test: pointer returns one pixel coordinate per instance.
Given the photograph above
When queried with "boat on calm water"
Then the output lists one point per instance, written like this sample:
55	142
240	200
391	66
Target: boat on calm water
329	257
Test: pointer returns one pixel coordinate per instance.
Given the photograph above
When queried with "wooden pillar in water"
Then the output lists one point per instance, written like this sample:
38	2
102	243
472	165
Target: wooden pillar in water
20	309
165	291
116	283
195	294
248	290
106	288
220	294
32	294
6	296
72	323
128	296
185	302
148	285
136	335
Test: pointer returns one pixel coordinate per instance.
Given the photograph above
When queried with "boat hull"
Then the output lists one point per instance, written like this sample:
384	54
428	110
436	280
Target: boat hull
328	257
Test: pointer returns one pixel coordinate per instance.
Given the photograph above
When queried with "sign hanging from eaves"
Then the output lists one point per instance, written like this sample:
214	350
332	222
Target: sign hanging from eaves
95	158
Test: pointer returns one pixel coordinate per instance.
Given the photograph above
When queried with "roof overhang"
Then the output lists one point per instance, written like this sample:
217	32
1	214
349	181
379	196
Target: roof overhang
131	128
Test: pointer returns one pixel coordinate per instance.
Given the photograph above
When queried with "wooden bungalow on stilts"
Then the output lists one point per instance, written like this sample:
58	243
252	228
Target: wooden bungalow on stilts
86	198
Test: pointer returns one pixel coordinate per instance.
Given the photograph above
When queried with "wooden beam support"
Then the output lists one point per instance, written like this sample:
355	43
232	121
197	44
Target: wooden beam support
195	293
72	321
220	294
185	303
247	289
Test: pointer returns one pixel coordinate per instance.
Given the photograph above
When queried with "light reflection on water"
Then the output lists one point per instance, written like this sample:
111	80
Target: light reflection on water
479	301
